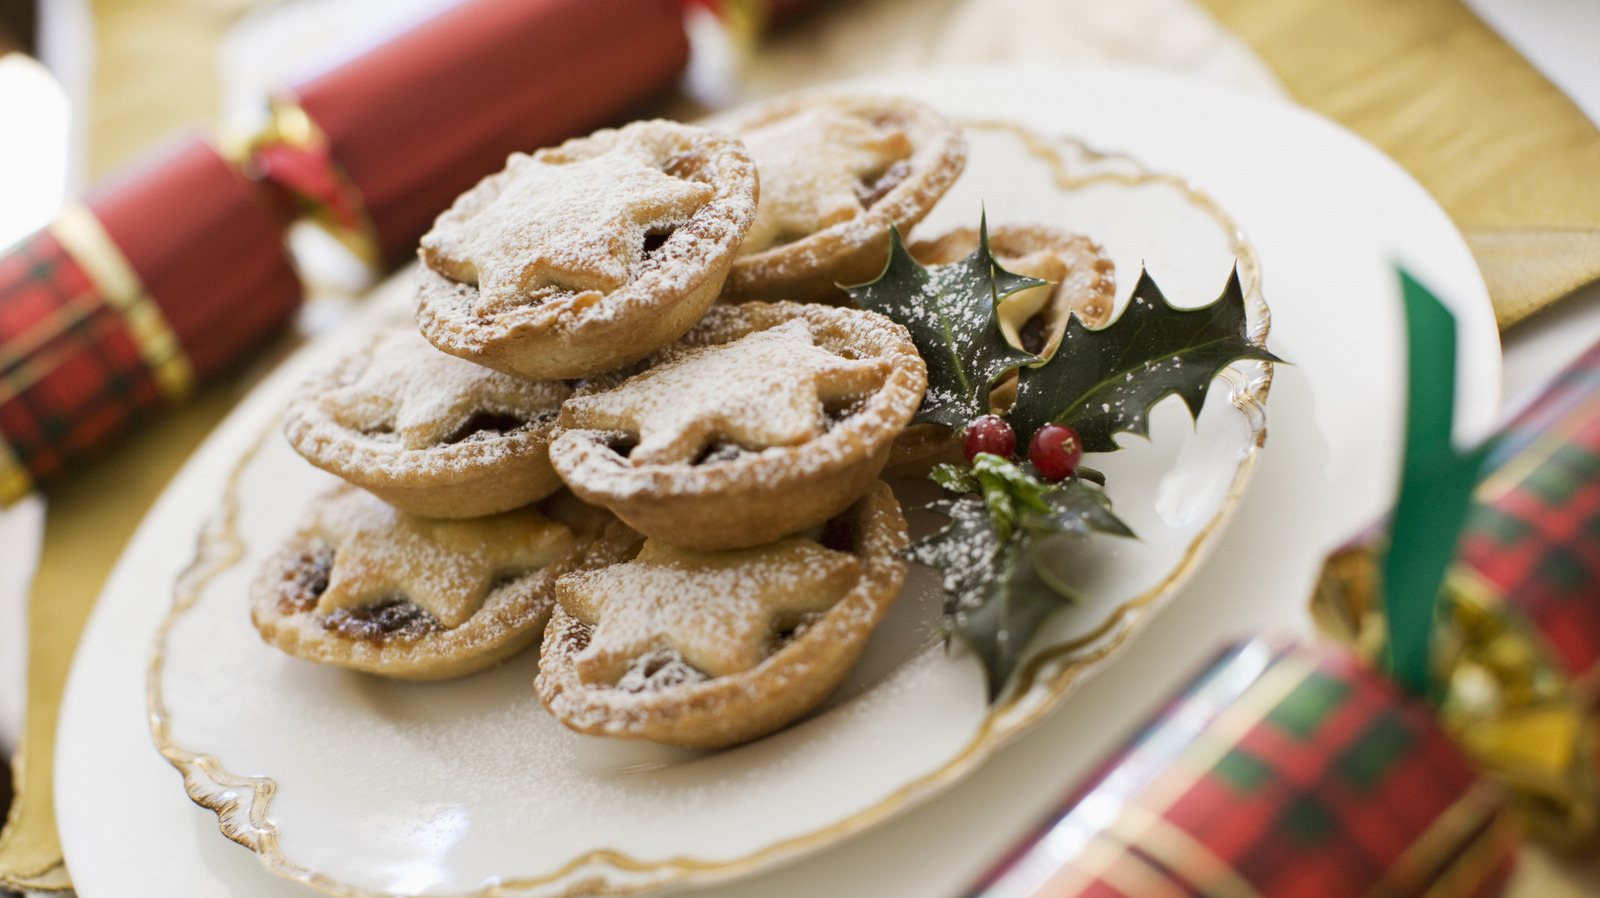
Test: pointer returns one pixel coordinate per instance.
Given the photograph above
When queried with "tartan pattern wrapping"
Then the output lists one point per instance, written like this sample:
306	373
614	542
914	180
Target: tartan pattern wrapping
1317	780
1533	535
162	280
71	373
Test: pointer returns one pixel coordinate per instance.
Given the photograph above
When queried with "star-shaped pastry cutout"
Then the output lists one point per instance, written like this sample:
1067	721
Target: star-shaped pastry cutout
445	567
425	396
718	609
812	164
768	388
578	225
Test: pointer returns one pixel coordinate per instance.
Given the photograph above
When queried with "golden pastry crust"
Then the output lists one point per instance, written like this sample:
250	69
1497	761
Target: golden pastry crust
764	420
836	172
590	255
664	699
1083	283
429	433
348	587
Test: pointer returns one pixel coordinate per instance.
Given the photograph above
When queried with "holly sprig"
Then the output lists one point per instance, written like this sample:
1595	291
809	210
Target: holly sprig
1006	522
996	595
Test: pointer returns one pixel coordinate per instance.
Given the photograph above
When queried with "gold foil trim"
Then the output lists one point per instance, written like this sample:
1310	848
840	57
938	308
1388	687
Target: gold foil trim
83	237
1518	717
1503	701
291	126
746	21
15	482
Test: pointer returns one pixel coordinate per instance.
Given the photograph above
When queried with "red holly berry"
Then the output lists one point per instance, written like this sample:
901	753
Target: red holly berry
1055	451
990	434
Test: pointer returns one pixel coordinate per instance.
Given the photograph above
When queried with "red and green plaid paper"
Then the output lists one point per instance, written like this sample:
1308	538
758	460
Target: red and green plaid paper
161	280
1292	772
70	372
1533	535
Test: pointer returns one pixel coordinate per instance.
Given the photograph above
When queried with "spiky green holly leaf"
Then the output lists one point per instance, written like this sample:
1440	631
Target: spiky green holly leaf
950	312
1102	382
1075	506
998	590
1007	489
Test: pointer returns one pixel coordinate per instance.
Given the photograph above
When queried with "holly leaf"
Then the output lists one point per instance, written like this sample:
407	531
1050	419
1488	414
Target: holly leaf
1079	507
998	589
1101	382
1007	489
950	312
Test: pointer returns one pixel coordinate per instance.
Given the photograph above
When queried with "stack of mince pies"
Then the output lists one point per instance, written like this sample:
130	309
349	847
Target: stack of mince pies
637	416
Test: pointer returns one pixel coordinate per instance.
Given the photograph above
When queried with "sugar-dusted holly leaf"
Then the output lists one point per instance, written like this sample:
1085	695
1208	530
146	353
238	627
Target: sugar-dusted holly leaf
1101	382
965	551
996	592
950	312
1008	490
1075	506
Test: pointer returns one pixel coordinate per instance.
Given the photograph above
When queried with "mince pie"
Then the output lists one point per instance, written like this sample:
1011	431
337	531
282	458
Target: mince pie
587	256
704	649
365	586
836	173
765	419
427	432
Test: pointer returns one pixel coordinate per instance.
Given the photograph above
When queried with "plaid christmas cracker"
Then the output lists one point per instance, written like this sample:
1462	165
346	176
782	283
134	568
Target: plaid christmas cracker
1532	539
1282	772
1517	640
1521	676
162	279
83	350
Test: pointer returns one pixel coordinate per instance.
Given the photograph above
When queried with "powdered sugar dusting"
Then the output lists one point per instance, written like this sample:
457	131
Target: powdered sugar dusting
722	611
424	397
569	225
579	226
444	567
813	165
852	426
767	388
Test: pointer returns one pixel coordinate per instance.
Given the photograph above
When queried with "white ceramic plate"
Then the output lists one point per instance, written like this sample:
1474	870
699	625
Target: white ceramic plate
367	794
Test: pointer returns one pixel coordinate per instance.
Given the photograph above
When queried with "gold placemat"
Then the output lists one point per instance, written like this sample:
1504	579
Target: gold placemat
90	518
154	73
1511	159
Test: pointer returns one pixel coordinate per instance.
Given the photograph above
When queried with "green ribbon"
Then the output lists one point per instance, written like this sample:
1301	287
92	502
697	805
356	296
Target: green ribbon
1435	487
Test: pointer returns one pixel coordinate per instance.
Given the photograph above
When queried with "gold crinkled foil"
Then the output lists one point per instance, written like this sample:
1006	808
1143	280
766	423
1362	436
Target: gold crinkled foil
1499	694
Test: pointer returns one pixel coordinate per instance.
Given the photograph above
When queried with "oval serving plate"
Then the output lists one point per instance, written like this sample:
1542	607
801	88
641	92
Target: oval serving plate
356	785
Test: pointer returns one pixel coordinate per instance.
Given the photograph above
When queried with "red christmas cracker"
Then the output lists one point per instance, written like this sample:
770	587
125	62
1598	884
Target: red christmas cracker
161	279
1282	771
418	120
